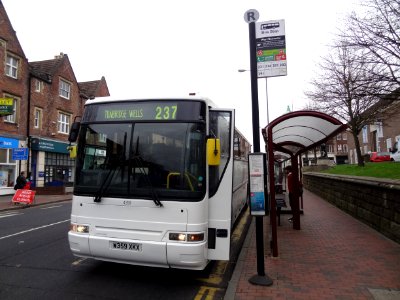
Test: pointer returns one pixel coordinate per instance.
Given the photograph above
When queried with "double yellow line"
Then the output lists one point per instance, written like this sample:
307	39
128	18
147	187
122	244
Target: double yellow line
216	277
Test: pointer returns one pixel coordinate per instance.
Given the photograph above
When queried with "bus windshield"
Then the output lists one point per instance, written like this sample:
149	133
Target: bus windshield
142	160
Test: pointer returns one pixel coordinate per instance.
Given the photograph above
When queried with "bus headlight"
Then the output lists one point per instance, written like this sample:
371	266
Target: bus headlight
79	228
186	237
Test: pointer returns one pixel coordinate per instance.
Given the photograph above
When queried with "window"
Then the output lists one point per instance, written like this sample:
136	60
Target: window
37	122
339	137
58	169
345	148
339	147
63	123
7	168
102	137
38	85
65	89
344	136
220	127
12	118
365	134
12	66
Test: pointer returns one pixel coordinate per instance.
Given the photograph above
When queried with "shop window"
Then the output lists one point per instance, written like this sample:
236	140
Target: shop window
7	168
3	155
58	169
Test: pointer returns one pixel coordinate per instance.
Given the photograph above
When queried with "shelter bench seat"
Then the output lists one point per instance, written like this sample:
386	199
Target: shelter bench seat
280	202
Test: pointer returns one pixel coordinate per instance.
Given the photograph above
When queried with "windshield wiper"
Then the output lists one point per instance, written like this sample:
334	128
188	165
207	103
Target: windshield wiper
139	160
107	181
104	185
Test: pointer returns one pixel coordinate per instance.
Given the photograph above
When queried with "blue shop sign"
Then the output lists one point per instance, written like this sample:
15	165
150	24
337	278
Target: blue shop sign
48	146
20	153
8	143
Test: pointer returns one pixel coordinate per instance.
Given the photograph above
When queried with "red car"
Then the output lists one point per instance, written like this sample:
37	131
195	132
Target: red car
379	156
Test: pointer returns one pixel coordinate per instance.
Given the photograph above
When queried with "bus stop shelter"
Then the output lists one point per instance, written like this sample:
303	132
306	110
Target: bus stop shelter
292	134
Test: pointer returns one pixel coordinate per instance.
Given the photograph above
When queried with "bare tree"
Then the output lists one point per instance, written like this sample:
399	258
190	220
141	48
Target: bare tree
342	90
377	32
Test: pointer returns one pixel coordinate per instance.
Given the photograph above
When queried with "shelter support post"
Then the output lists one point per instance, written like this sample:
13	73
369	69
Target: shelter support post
271	172
295	204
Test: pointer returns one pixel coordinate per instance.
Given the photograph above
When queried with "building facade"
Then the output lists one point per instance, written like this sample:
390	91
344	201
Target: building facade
334	151
46	98
13	82
381	135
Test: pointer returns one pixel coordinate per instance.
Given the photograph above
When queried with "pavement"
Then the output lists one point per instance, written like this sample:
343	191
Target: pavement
6	201
333	256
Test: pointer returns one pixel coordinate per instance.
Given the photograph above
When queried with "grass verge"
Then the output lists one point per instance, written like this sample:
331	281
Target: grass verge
388	169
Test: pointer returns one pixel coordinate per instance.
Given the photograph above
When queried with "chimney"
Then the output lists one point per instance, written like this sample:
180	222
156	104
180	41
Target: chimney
61	55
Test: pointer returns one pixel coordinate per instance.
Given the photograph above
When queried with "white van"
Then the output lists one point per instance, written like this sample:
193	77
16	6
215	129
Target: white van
395	152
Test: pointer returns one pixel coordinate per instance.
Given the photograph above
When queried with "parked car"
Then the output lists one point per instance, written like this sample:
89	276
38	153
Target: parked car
379	156
395	153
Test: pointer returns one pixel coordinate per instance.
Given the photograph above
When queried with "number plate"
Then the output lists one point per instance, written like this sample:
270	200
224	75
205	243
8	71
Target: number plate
126	246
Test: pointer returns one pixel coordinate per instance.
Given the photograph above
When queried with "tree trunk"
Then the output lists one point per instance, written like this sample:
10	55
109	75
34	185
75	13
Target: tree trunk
360	158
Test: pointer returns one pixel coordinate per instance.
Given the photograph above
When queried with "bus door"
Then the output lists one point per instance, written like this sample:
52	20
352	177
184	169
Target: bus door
220	185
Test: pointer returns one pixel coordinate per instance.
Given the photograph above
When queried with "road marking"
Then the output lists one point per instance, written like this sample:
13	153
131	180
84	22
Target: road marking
33	229
206	293
78	261
11	214
240	227
217	274
48	207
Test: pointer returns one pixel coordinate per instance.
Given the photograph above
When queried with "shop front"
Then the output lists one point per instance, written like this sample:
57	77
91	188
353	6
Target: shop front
8	166
51	165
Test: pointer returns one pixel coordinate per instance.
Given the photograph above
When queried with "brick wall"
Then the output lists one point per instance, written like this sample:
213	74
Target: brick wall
376	202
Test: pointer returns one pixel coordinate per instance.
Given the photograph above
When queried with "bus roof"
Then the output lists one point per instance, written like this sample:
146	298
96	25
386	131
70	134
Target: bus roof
188	98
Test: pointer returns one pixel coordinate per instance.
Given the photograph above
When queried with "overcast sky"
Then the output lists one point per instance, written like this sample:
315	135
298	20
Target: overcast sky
171	48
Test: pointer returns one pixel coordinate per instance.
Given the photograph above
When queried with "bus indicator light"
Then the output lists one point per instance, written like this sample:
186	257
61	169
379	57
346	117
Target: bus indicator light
189	237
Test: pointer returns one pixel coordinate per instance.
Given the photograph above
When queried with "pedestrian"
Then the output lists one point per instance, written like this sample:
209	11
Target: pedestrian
21	181
27	185
290	186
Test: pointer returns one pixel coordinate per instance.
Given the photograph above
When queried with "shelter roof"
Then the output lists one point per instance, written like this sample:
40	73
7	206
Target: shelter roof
299	131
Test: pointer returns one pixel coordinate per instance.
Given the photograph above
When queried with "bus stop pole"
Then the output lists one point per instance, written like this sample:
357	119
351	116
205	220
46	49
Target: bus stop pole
260	278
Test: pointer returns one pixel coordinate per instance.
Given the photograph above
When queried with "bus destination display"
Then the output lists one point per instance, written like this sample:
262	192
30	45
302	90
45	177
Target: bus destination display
143	111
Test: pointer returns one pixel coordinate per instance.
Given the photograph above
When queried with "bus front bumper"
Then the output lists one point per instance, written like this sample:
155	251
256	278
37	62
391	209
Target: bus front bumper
139	252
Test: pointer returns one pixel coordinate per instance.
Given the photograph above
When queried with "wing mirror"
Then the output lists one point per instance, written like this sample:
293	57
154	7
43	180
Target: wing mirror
73	134
213	151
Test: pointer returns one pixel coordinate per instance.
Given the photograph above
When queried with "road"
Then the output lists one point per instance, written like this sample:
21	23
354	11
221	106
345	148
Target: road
36	263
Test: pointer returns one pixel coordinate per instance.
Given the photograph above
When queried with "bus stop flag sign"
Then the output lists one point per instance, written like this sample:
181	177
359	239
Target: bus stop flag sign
271	49
251	15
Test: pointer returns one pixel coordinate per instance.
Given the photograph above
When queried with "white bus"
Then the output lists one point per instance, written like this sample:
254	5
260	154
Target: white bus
159	182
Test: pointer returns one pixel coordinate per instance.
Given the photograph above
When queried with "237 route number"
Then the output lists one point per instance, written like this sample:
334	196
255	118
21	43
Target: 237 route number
166	112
